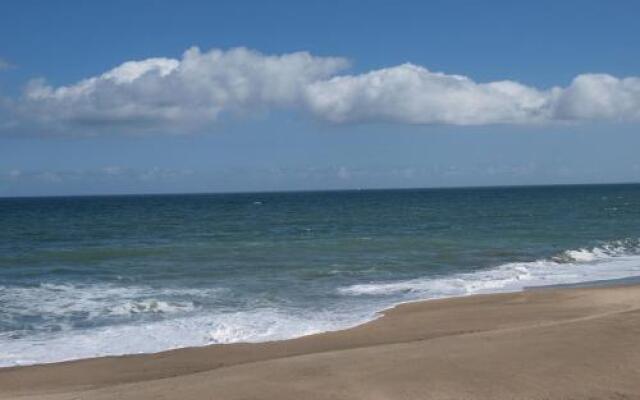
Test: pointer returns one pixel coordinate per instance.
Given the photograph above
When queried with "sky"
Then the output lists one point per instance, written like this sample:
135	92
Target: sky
197	96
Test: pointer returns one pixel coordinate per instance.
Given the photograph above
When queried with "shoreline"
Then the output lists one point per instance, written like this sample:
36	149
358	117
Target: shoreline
626	281
417	325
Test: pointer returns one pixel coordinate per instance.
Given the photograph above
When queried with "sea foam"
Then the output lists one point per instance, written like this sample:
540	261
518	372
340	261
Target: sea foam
216	328
182	323
610	261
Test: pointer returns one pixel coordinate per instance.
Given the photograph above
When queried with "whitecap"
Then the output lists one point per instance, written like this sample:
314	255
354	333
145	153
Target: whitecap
614	260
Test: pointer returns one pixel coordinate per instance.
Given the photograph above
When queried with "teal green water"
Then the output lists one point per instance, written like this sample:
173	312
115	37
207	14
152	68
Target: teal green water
128	274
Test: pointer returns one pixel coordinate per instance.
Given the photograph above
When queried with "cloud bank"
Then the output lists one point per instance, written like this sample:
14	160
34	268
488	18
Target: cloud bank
191	93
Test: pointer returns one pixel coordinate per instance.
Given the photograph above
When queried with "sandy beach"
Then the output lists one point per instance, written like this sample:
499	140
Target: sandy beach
295	200
539	344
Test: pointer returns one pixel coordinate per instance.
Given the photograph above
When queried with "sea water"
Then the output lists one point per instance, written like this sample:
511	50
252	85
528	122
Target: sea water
106	275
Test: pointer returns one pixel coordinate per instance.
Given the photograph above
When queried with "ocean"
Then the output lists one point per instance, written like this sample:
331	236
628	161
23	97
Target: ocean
108	275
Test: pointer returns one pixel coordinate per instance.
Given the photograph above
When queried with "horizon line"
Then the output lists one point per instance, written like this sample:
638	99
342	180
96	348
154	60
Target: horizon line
276	191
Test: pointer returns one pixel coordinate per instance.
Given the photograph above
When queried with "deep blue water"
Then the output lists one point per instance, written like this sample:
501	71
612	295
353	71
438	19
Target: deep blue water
127	274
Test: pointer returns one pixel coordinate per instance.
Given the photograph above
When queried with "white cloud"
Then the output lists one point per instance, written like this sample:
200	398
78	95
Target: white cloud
600	96
412	94
163	94
113	170
189	94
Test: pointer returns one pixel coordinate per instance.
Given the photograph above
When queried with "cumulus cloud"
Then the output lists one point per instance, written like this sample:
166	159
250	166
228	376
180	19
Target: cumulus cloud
412	94
600	96
164	94
189	94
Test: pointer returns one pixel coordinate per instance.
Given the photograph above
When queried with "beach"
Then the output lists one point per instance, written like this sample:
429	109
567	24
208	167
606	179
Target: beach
558	343
245	200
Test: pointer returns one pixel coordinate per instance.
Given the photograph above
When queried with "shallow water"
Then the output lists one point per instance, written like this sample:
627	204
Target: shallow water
88	276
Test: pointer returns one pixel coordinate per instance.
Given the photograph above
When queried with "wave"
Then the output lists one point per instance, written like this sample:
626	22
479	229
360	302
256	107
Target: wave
151	306
220	328
617	248
62	306
174	319
613	260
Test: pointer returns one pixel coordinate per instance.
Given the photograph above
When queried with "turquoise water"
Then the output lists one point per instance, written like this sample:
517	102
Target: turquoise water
87	276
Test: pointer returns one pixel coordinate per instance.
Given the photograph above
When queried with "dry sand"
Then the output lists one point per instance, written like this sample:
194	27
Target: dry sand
543	344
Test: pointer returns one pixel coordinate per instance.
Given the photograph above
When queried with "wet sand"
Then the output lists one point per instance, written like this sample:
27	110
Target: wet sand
560	343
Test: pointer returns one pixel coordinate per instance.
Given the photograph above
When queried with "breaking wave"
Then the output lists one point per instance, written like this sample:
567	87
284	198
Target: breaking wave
144	319
613	260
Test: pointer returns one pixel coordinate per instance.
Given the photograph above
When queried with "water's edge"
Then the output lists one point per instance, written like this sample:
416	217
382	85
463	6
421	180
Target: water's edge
606	283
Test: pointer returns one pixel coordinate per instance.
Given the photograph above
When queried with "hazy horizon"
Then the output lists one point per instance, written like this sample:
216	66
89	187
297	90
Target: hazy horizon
328	190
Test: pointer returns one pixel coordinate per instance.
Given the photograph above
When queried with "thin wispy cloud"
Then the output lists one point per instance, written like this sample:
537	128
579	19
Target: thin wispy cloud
4	64
190	94
111	173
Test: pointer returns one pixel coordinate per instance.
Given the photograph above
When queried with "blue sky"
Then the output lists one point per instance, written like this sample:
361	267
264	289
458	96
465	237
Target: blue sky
386	94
